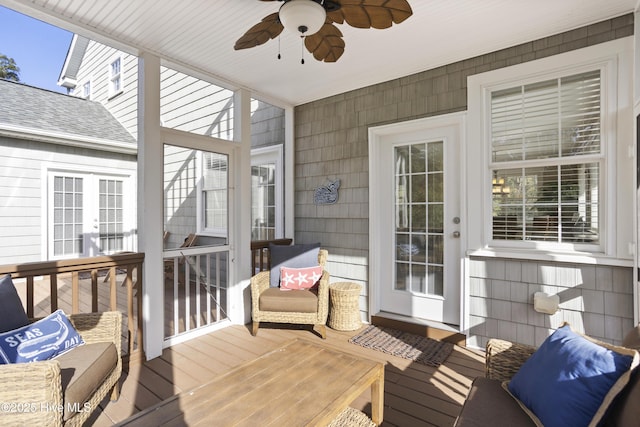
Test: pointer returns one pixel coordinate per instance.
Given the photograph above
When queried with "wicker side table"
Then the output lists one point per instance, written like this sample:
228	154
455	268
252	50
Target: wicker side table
344	314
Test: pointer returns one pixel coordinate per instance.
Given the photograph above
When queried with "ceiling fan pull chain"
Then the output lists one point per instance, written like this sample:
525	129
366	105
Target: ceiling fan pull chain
302	50
279	48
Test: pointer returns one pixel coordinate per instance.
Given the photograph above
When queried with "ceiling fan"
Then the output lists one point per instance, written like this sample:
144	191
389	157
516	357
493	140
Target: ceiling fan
314	21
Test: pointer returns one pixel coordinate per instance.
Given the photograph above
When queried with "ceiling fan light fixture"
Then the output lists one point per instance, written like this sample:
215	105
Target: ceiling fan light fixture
303	17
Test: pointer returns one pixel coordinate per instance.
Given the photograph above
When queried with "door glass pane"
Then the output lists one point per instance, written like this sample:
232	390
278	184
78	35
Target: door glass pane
436	218
110	216
436	280
67	216
435	187
419	218
419	209
418	187
417	158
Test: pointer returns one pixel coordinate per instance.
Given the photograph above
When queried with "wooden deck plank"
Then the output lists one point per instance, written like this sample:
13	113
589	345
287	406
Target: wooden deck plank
415	394
161	387
134	392
240	342
182	379
193	363
401	419
228	349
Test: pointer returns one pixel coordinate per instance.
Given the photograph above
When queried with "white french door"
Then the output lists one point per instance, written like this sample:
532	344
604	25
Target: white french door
415	218
87	214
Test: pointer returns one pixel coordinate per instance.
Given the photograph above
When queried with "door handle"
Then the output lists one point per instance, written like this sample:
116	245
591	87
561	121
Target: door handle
456	234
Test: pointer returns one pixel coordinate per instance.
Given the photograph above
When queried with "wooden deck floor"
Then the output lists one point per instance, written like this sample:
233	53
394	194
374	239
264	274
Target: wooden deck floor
415	394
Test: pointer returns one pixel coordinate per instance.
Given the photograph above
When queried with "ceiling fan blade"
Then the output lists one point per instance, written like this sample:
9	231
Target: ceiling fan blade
267	29
327	44
371	13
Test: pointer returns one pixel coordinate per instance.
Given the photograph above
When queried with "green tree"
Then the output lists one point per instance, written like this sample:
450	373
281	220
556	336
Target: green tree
9	69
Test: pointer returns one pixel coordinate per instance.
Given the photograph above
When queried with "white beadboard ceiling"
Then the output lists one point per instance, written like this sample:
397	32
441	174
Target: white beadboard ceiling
201	35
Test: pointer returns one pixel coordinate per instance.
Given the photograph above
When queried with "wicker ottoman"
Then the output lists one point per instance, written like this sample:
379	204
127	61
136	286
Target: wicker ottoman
352	418
345	309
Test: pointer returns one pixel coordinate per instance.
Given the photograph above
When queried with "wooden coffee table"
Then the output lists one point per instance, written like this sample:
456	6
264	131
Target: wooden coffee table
299	384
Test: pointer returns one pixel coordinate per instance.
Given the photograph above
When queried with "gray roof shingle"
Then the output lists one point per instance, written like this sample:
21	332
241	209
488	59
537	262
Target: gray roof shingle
34	108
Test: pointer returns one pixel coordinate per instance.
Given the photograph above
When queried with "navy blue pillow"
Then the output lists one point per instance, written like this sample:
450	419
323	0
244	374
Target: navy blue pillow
293	256
12	313
41	340
571	380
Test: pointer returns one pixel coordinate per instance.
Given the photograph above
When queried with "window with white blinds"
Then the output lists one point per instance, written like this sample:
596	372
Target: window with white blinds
214	192
546	160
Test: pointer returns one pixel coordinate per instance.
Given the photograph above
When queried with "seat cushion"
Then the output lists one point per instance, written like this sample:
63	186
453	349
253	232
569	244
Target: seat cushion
296	301
624	410
83	370
489	404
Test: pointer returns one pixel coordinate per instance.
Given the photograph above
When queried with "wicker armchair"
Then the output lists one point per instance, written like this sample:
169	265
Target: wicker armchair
504	358
34	393
318	318
487	402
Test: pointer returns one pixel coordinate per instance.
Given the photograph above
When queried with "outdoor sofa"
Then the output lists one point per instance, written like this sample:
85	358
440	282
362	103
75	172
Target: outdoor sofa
489	403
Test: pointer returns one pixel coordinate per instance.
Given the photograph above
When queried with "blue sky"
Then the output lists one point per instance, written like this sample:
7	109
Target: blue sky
39	49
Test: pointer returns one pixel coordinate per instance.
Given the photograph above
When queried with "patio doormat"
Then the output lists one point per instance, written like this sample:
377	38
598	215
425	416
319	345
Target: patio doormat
403	344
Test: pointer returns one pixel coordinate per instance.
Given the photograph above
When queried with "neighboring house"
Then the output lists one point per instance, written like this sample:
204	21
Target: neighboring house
67	177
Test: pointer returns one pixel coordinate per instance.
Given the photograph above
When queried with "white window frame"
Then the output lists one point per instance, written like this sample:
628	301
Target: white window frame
83	87
200	202
273	154
614	59
112	77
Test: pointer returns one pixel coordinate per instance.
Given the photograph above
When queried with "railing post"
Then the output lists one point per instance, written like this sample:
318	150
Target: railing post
113	300
75	297
94	291
140	334
53	279
130	324
30	302
260	255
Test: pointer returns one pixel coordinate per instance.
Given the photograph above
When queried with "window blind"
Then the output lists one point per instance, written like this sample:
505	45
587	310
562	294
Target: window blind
547	132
